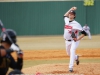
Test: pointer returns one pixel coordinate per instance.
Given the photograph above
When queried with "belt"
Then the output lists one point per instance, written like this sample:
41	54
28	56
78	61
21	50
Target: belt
68	40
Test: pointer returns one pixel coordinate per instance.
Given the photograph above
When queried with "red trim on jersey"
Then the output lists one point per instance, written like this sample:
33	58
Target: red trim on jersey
76	31
68	27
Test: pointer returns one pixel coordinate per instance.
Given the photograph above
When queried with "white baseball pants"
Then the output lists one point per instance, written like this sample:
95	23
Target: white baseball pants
70	49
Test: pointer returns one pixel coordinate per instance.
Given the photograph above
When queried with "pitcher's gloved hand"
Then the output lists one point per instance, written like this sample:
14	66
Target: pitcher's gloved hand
73	36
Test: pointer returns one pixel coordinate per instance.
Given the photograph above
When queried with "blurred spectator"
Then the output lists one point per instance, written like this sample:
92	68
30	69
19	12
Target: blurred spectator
86	28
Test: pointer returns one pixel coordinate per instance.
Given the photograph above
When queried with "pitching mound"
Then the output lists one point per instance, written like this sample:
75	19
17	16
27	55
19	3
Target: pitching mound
82	69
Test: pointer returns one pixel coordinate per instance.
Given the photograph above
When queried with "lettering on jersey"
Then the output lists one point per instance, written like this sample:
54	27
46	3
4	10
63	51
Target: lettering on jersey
68	27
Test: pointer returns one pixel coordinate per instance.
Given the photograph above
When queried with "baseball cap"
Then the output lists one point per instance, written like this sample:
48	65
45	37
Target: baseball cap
73	12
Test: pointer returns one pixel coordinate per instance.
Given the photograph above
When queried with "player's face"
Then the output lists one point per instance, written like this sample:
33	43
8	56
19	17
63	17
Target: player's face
5	45
71	16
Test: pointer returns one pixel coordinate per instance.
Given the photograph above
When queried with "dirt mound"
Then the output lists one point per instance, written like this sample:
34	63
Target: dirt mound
82	69
62	68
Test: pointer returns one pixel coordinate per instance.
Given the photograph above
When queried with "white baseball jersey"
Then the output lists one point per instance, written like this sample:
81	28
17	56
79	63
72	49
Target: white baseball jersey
70	27
86	28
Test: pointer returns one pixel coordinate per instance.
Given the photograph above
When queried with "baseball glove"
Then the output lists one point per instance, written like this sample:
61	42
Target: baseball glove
73	35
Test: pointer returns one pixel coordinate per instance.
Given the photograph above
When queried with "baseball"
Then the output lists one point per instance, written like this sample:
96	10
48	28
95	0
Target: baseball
75	8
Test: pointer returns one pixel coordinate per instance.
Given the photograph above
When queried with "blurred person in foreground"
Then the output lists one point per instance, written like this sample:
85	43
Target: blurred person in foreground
6	48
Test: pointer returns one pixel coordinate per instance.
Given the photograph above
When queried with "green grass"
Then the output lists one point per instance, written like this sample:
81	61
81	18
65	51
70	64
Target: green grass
29	63
90	60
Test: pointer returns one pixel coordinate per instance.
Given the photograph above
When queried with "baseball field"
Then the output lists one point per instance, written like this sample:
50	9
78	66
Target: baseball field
47	55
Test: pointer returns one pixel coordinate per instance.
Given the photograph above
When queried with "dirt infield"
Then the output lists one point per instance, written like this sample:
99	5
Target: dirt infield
51	48
58	54
62	68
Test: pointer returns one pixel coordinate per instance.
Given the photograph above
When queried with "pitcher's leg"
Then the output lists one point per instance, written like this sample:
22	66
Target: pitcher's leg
68	46
76	57
73	57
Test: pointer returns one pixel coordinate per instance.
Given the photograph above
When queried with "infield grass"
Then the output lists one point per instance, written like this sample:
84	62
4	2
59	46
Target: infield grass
30	63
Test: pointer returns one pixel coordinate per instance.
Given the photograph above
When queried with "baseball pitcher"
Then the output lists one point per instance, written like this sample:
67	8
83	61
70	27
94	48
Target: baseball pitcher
71	36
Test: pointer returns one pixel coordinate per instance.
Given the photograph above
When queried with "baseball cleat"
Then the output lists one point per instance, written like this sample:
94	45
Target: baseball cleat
71	70
77	61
